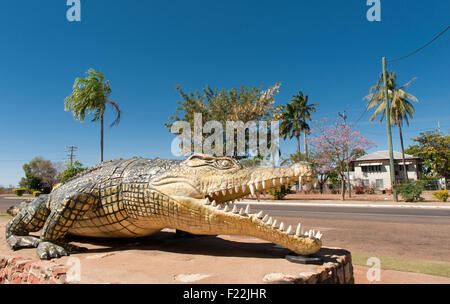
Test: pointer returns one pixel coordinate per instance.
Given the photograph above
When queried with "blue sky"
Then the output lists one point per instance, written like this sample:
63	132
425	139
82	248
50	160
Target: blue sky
325	48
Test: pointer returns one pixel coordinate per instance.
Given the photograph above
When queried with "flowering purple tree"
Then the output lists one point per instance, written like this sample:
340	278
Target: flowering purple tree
322	166
332	145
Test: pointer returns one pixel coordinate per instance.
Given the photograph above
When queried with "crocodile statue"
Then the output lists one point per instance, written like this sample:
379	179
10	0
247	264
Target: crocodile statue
137	197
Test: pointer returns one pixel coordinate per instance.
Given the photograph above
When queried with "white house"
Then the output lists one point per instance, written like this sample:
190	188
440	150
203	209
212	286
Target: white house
373	169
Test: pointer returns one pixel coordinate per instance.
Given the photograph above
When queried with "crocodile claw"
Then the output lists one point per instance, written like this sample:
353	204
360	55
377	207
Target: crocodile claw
17	242
48	250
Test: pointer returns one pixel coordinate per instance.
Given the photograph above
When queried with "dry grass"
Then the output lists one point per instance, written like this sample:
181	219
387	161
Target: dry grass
405	264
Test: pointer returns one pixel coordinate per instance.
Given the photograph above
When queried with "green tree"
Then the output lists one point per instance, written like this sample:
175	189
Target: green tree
71	171
401	108
294	119
40	175
357	153
293	158
434	150
238	104
91	96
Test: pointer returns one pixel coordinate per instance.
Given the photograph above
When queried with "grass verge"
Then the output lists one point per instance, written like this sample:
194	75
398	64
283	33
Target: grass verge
405	264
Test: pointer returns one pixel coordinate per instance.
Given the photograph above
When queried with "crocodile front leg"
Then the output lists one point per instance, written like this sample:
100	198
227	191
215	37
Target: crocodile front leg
62	217
31	219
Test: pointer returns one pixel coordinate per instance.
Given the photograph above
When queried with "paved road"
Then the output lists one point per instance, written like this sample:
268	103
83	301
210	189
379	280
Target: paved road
405	232
6	203
379	214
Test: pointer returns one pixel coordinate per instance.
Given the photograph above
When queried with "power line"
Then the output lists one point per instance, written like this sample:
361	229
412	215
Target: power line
360	117
421	48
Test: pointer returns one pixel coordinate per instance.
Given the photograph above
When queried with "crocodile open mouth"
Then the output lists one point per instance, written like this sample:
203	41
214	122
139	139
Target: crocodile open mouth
222	201
254	188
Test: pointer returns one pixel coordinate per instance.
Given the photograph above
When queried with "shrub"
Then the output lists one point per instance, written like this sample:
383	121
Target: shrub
359	190
279	194
19	191
441	195
370	190
411	190
71	171
36	193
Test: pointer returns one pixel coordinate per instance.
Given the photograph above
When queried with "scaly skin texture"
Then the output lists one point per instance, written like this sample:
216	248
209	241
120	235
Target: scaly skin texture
138	197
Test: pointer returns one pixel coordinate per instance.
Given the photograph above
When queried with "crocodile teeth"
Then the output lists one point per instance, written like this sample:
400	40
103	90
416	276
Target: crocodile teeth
281	180
226	209
309	233
219	207
281	226
252	189
224	192
289	230
319	235
241	211
247	209
274	181
299	180
207	202
264	185
257	186
269	222
264	219
234	210
236	189
274	223
257	196
214	203
299	230
230	191
260	214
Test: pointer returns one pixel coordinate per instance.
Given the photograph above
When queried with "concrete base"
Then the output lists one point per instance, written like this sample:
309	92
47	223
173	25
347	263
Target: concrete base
166	258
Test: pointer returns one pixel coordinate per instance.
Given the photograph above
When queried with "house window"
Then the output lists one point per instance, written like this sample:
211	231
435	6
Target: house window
401	168
371	169
379	183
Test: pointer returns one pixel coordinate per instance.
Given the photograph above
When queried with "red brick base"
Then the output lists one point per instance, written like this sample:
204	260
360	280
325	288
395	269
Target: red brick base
27	271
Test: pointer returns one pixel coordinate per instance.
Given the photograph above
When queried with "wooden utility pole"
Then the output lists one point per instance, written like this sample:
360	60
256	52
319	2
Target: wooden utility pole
347	155
388	125
71	154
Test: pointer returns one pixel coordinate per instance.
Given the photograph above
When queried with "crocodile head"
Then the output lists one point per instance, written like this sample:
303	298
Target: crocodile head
208	186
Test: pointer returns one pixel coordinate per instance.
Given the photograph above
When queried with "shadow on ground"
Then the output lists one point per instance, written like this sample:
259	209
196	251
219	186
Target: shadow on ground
197	245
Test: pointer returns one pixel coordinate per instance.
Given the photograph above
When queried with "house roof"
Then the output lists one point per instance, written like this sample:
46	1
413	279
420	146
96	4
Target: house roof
382	155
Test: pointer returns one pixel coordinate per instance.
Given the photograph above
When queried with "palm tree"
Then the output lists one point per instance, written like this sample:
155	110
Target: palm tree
290	124
294	119
401	108
90	96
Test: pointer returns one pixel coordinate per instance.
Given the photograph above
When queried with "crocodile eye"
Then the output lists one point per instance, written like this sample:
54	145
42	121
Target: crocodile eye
224	163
